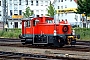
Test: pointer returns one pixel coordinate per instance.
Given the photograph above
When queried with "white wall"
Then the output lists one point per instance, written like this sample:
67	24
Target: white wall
12	25
1	9
69	16
33	7
15	4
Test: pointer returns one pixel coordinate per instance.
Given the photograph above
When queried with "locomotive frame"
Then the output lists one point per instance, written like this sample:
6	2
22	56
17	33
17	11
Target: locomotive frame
43	31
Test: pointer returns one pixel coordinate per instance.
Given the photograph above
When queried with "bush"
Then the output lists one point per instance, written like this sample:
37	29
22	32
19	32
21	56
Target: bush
11	33
1	33
14	33
84	33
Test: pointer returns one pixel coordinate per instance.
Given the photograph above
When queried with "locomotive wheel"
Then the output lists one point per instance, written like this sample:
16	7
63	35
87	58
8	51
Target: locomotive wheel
61	42
58	42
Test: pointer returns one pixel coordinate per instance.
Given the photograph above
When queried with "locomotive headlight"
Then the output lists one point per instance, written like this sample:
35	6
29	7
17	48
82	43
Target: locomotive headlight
55	33
73	32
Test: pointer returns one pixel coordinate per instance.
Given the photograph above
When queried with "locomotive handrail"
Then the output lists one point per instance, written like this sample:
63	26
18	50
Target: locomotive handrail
65	24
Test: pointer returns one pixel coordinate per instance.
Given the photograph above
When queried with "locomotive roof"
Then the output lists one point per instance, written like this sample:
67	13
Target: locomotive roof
26	18
30	18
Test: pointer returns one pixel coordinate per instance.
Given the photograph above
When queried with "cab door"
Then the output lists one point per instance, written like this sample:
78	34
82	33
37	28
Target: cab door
16	24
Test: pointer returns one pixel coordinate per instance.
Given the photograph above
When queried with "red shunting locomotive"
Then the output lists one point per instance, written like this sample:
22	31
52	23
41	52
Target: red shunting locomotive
43	31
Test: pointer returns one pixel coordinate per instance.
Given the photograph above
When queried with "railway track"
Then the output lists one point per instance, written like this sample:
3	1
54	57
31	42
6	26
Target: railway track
7	43
80	45
79	42
68	48
23	56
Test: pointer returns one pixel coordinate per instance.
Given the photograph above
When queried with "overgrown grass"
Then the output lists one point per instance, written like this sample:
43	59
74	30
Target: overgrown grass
84	33
10	33
14	33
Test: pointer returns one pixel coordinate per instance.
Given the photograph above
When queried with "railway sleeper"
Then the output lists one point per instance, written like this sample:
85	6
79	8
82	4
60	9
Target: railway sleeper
19	56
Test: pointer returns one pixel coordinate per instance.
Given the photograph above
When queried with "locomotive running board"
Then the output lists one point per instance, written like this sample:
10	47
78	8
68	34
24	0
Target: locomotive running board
40	43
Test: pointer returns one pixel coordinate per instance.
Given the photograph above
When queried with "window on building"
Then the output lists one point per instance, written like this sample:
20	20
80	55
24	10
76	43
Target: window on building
10	12
26	2
0	3
31	2
46	3
15	5
58	15
70	0
65	0
65	13
36	3
37	11
16	12
19	2
41	3
20	12
58	0
58	7
10	0
62	14
61	7
15	24
15	8
61	0
41	14
0	13
41	11
65	6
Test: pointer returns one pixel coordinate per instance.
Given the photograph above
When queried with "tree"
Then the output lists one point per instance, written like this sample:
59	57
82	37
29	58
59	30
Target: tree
83	7
28	12
51	10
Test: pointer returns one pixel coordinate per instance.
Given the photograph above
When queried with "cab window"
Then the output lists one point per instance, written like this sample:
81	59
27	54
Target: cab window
27	23
49	21
35	22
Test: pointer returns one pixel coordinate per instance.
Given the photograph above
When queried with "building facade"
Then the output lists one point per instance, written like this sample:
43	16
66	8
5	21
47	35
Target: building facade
1	15
1	11
65	10
17	7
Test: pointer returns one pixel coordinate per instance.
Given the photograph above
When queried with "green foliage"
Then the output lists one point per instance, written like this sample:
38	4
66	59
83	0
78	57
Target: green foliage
11	33
83	7
84	33
1	33
14	33
28	12
51	10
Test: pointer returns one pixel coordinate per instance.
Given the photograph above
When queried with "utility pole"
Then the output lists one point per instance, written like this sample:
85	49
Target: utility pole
4	13
86	13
